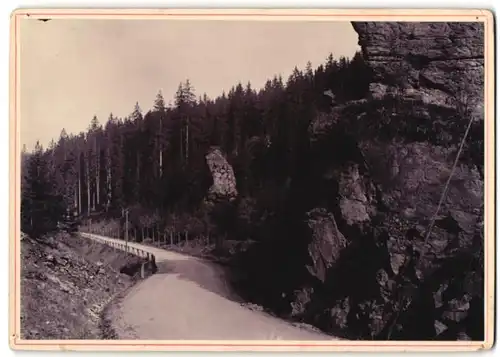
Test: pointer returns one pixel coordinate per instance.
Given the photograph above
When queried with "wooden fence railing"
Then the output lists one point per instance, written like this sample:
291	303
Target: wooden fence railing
148	264
149	235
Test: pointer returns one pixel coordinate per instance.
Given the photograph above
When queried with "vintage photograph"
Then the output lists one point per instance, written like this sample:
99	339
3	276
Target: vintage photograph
234	179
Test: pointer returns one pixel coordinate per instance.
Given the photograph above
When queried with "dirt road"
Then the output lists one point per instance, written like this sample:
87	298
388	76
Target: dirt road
188	299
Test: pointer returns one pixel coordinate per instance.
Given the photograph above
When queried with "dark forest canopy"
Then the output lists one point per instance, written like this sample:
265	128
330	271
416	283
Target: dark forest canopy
156	159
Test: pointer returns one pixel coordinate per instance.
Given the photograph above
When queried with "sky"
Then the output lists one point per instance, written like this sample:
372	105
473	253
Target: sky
73	69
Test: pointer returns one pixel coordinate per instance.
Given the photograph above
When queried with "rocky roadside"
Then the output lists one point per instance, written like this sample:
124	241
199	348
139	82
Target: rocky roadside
66	284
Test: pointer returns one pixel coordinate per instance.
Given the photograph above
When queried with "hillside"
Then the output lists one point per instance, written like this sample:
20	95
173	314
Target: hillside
66	283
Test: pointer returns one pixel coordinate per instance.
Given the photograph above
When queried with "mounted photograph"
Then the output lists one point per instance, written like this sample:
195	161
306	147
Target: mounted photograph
252	180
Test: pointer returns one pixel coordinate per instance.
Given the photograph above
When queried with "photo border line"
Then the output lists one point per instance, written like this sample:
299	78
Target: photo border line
484	16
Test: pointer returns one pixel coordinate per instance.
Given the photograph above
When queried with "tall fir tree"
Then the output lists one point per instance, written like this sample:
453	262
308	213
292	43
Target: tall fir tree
41	206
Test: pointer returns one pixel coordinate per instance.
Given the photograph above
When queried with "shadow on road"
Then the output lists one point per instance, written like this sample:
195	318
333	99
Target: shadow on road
208	276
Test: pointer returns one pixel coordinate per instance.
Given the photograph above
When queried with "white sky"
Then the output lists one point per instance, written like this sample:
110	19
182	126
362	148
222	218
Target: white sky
72	69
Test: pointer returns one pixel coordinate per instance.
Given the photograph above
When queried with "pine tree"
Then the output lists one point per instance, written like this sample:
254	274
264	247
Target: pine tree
309	70
116	163
160	139
136	115
136	137
94	162
159	105
80	147
185	99
330	60
41	206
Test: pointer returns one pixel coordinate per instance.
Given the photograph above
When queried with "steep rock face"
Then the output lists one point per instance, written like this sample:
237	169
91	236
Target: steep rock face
432	62
348	252
389	157
327	242
356	196
439	68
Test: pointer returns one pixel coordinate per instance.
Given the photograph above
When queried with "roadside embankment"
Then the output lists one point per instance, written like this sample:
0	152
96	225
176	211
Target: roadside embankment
66	283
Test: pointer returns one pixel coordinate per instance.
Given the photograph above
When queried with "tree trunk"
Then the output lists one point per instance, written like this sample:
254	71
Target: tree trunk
77	206
181	139
79	195
89	199
98	176
161	148
187	140
108	204
161	164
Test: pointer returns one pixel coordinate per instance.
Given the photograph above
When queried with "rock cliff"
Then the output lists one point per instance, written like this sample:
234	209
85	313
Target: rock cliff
432	62
374	172
401	143
439	69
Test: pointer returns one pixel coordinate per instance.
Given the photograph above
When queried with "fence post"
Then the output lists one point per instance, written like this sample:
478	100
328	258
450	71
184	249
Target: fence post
153	264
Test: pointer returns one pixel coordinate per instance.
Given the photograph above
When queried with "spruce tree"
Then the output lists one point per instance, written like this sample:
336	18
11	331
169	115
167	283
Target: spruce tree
159	105
41	206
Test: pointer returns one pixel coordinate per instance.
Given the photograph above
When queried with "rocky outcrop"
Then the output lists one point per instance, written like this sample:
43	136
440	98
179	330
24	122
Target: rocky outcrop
356	196
432	62
326	244
439	68
224	181
389	157
348	250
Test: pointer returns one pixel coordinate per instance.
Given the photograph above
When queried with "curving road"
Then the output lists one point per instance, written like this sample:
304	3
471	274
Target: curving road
188	299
